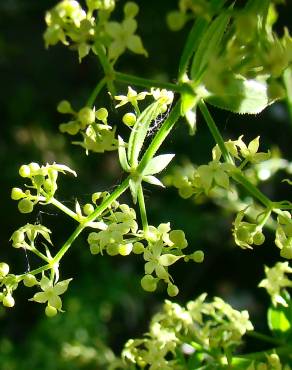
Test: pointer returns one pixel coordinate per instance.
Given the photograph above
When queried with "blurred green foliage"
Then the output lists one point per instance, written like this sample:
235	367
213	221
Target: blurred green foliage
105	305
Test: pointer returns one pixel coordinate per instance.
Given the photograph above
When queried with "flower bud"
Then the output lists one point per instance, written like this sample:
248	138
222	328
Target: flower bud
17	193
29	280
172	290
4	269
86	116
129	119
198	256
8	301
138	248
64	107
125	249
131	9
101	114
24	171
88	209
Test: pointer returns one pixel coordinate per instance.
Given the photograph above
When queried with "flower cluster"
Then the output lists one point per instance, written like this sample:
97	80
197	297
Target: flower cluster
26	235
199	327
43	181
98	136
9	283
208	179
272	362
160	247
246	233
276	281
284	234
82	29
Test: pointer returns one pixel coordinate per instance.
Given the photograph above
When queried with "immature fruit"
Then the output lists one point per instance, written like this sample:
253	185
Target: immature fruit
8	301
148	283
4	269
51	311
25	206
258	238
125	249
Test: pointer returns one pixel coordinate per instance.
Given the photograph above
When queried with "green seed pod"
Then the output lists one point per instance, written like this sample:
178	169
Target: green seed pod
101	114
29	280
178	238
86	116
72	127
50	311
24	171
88	209
17	193
8	301
64	107
25	206
129	119
172	290
4	269
148	283
198	256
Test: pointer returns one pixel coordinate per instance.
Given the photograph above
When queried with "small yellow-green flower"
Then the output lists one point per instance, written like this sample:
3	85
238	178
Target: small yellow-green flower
50	292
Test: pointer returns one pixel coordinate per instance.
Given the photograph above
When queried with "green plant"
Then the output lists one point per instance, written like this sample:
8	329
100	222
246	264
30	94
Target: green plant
230	60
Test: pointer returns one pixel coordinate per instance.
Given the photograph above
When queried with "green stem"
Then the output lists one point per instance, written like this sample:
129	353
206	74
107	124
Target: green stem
142	208
215	132
264	338
104	205
287	78
144	82
107	68
160	136
95	92
63	208
252	189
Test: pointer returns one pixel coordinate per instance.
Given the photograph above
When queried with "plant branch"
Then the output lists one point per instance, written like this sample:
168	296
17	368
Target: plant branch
142	208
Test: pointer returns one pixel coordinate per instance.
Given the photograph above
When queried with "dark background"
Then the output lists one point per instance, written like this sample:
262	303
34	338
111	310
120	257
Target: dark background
105	304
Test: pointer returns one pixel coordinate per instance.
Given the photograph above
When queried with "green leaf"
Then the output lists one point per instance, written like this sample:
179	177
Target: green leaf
168	259
209	45
134	187
280	318
191	44
242	96
123	155
157	164
139	132
194	37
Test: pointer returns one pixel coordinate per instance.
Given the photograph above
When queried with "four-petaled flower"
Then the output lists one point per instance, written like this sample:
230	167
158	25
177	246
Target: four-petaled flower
123	38
51	292
131	97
